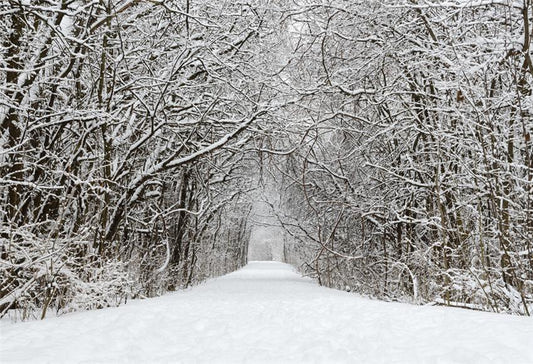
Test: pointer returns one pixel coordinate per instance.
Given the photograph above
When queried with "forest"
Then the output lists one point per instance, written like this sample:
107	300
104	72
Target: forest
136	136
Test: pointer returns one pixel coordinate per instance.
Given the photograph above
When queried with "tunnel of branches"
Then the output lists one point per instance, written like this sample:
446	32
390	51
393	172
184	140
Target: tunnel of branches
381	147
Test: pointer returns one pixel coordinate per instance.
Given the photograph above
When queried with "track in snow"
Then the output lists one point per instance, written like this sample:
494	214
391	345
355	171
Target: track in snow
267	313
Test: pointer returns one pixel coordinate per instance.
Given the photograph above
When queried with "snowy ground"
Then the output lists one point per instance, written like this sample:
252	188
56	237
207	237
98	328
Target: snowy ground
267	313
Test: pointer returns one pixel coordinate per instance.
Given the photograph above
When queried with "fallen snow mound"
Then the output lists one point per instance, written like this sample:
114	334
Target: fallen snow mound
267	313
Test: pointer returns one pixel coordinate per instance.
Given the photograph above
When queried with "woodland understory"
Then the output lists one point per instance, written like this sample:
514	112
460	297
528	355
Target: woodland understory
136	136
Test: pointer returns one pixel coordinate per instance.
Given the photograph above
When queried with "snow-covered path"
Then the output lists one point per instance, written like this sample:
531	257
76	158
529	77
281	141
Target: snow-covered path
267	313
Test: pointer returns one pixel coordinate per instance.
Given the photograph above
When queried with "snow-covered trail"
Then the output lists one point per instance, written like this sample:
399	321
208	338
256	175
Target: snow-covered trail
267	313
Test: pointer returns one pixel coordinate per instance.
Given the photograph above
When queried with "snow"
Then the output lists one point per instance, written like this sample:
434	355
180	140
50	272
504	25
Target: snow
268	313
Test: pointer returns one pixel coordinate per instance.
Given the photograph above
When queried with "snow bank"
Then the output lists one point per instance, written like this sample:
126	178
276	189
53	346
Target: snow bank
267	313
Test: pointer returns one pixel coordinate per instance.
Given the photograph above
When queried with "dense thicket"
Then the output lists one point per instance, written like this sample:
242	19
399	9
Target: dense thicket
414	175
123	125
396	135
